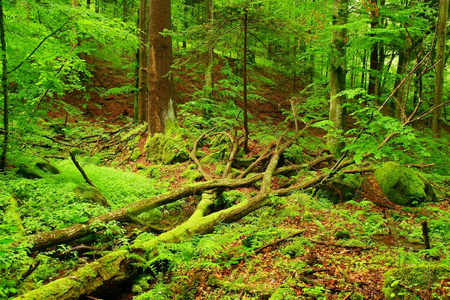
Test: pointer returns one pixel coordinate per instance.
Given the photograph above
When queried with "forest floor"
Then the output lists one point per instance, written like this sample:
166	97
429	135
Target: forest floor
303	247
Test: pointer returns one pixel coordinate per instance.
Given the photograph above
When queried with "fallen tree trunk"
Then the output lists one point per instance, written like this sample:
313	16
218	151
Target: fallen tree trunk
117	265
47	239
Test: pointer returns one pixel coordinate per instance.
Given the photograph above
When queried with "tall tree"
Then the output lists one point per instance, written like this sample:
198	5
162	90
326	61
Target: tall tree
161	106
338	71
142	104
4	91
377	54
210	51
440	59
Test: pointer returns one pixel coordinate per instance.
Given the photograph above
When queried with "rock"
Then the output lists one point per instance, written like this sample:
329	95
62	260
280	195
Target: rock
91	194
404	186
342	188
28	172
164	149
420	277
47	167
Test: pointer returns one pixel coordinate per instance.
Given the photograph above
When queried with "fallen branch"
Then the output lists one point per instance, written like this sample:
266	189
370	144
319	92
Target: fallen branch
83	173
278	241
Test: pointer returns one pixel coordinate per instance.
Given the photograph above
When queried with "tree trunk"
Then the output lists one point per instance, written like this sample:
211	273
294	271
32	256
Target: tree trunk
210	51
64	235
88	4
244	82
97	6
142	106
161	106
338	70
376	56
402	69
440	60
4	91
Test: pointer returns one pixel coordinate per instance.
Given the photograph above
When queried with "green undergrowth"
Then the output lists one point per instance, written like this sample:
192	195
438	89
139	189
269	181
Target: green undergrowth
30	206
230	264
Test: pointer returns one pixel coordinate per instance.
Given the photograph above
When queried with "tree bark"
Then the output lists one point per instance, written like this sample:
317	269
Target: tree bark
244	82
161	106
143	61
4	92
440	60
210	51
338	71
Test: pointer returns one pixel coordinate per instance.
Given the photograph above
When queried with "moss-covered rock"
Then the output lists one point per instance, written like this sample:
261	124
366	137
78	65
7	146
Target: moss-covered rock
135	155
400	282
47	167
191	174
342	235
91	194
28	172
154	171
403	186
342	188
164	149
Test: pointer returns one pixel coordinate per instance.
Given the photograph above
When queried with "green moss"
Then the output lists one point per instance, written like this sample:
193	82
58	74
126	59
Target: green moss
295	249
191	175
308	216
154	171
166	150
401	185
47	167
283	293
342	235
28	172
92	194
219	169
416	277
343	188
135	155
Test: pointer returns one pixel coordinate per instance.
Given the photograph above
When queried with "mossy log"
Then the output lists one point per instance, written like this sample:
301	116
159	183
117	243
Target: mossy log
118	264
47	239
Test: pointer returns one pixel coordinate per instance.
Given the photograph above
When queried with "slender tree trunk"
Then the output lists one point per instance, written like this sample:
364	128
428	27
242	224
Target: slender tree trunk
143	61
374	74
161	107
88	4
400	96
97	6
440	59
363	73
376	57
244	79
338	71
210	52
4	91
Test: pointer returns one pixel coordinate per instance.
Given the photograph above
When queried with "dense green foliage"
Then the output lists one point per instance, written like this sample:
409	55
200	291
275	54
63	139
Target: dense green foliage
316	243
